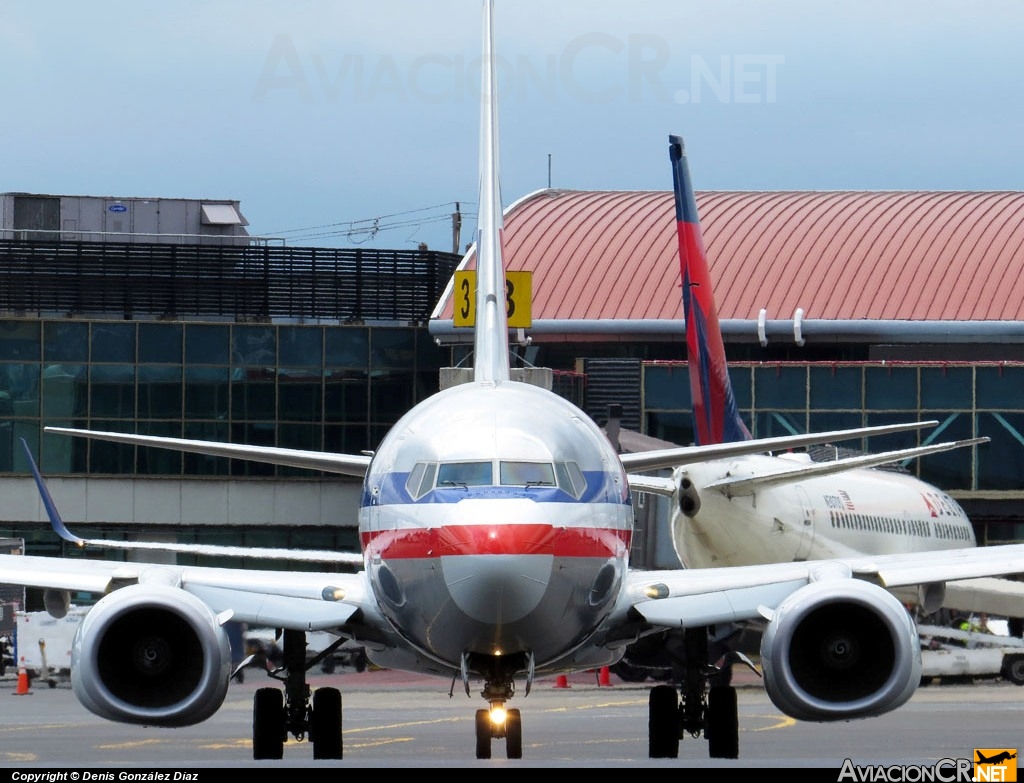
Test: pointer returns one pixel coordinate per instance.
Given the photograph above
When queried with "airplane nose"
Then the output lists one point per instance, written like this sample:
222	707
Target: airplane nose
508	589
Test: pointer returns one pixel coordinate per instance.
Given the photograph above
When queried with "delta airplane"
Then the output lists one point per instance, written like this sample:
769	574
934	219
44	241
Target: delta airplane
760	509
495	526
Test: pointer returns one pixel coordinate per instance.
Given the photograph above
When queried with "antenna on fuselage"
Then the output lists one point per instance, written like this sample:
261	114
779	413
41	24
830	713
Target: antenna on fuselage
490	340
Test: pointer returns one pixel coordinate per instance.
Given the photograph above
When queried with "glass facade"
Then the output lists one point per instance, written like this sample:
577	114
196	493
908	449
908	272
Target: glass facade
338	387
968	400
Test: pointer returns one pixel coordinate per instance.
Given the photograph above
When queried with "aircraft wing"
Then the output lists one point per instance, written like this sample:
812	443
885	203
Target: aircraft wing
746	484
61	529
344	464
1000	597
655	485
696	597
307	601
684	455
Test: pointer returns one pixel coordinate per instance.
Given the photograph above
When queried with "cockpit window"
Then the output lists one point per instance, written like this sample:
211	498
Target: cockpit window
527	474
421	479
465	474
424	476
570	478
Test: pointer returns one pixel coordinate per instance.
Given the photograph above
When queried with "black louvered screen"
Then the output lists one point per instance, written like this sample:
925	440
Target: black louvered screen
244	283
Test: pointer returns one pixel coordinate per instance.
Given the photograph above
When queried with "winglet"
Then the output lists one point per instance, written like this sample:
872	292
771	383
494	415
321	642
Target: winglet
51	508
715	415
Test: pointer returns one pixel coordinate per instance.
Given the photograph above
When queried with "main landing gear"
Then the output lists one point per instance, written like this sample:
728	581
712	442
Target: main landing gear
705	703
277	713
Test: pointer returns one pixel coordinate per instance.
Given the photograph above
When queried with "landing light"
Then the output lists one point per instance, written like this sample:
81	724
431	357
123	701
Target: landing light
656	591
498	715
333	594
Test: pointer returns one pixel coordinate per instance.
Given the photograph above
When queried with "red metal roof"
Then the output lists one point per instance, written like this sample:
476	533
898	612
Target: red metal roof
839	255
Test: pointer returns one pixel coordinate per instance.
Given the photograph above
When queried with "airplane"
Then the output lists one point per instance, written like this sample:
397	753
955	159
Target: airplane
495	524
774	508
996	759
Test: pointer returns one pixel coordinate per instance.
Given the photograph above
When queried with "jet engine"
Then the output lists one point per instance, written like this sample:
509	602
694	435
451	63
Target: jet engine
839	649
151	654
689	498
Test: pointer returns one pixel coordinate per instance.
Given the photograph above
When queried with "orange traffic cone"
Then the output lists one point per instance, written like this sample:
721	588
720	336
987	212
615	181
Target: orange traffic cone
604	677
22	689
562	681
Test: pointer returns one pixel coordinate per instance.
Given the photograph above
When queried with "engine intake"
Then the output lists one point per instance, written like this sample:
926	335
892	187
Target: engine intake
840	649
151	654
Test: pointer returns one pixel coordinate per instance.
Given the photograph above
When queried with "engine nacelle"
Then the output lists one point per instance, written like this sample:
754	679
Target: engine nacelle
153	655
840	649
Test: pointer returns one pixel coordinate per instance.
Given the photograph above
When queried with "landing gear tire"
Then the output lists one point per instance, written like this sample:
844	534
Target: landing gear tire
1013	669
483	734
359	661
514	734
325	724
268	729
663	723
723	726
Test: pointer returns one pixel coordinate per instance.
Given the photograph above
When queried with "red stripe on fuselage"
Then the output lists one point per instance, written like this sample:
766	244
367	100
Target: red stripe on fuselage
461	540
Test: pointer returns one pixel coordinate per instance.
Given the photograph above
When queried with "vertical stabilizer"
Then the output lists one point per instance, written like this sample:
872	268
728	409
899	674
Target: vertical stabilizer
490	340
715	416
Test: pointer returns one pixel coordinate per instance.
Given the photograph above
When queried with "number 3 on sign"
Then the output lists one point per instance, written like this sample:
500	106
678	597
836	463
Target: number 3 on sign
517	298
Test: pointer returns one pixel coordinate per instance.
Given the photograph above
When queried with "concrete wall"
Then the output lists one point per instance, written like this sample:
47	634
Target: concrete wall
328	502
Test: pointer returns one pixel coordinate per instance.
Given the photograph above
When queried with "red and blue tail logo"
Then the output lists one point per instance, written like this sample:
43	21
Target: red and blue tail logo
715	416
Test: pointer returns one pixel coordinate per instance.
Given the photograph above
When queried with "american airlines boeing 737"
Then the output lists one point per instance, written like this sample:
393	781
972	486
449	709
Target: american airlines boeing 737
495	524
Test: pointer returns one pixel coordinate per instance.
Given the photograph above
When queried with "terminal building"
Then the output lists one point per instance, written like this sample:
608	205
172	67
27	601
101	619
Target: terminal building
839	309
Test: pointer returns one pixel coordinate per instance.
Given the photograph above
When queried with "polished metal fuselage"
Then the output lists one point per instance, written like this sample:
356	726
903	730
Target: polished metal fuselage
496	570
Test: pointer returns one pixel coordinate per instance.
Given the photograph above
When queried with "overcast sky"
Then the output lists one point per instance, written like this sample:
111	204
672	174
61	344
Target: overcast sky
324	116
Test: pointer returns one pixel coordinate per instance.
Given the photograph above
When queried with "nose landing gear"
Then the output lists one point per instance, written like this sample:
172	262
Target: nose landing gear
496	722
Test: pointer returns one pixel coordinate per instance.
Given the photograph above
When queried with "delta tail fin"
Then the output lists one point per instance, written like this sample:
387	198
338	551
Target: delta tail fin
490	339
716	418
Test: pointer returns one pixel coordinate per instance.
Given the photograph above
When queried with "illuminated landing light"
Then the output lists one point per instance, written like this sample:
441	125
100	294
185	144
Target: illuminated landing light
656	591
498	716
333	594
493	535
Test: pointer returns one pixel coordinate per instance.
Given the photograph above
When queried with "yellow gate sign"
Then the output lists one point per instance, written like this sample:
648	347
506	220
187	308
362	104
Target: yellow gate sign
518	290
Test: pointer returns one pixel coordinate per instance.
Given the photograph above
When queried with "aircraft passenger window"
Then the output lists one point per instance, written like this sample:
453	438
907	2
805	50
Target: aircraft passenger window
527	474
465	474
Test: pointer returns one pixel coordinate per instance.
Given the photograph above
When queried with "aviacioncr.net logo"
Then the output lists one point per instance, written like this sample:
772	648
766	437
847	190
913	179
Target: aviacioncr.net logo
998	764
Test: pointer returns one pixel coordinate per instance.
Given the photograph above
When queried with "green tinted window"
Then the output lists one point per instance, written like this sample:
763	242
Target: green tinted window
113	342
890	388
834	388
666	387
776	386
300	346
1001	460
160	343
254	346
347	346
20	341
1001	387
207	344
395	348
947	387
65	341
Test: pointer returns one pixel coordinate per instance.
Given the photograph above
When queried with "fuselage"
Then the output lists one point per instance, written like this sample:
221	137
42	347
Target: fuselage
864	511
495	521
